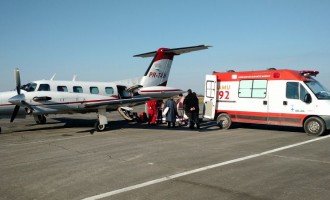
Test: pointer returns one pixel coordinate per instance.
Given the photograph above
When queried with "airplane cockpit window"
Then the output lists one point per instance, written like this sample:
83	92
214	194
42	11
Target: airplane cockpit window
77	89
109	90
44	87
30	87
94	90
62	88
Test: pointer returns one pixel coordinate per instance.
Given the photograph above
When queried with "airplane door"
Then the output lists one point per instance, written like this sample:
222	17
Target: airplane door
210	97
122	92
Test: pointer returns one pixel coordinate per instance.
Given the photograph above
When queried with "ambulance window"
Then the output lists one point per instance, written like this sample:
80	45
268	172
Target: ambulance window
302	92
44	87
245	88
210	88
62	88
259	88
292	90
252	89
94	90
77	89
109	90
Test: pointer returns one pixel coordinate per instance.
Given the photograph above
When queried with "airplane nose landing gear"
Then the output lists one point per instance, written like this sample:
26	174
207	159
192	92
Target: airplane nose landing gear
102	121
99	127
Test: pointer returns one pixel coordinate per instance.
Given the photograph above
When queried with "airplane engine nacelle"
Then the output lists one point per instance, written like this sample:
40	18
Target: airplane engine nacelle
126	113
160	92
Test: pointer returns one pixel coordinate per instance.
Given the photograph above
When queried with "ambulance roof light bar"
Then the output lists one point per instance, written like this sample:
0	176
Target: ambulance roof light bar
309	73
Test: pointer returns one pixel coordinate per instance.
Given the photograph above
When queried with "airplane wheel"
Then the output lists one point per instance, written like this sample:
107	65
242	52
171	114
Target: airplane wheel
99	127
41	119
314	126
224	121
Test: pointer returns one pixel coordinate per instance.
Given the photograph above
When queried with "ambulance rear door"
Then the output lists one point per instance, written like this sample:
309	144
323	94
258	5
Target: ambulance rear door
210	97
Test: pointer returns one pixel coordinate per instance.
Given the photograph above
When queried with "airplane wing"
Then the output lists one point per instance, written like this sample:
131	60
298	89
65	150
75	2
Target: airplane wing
121	102
176	51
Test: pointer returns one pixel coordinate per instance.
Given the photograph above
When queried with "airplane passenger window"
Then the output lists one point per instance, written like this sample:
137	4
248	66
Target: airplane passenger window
44	87
94	90
77	89
109	90
62	88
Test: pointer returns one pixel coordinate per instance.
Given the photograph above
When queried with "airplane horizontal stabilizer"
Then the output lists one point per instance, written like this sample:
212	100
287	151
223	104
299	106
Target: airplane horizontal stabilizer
176	51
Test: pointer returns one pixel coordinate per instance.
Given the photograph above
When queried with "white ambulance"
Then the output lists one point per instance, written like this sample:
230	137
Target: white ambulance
275	97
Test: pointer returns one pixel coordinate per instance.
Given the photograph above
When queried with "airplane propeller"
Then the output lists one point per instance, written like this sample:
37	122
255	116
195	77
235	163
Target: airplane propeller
18	81
19	99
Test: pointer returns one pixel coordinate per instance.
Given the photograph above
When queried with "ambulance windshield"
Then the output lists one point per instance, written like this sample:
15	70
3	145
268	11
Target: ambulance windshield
319	90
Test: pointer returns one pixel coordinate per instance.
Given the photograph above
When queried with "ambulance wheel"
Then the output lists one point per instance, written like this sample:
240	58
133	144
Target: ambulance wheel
99	127
314	126
224	121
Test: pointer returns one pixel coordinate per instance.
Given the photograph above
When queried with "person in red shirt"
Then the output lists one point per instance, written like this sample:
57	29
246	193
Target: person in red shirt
152	111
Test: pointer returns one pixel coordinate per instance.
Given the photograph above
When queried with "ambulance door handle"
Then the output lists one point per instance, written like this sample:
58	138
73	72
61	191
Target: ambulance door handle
285	103
264	102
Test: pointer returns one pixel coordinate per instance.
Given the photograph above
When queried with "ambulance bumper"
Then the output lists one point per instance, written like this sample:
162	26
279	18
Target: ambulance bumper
326	119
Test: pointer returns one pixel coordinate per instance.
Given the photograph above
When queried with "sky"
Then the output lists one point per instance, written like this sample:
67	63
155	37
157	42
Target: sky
96	39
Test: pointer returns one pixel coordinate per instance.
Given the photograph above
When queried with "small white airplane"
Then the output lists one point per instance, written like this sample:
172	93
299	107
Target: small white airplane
43	97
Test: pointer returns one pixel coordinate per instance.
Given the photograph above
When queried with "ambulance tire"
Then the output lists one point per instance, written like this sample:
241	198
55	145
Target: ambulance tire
224	121
314	126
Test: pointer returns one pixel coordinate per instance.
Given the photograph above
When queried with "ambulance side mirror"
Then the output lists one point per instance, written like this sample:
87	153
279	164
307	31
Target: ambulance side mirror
308	98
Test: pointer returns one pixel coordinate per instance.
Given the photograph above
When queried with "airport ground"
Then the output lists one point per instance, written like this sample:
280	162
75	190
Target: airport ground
63	160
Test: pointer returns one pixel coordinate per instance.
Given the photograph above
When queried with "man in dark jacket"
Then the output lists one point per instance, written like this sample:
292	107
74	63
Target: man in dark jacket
191	108
171	113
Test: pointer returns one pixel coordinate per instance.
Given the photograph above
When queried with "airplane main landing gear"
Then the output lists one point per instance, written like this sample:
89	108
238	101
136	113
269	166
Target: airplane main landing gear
40	119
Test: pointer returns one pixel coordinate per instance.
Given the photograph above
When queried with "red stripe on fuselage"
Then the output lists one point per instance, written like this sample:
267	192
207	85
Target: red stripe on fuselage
6	105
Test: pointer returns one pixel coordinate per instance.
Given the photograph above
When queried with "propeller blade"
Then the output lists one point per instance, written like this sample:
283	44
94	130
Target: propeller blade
13	116
18	81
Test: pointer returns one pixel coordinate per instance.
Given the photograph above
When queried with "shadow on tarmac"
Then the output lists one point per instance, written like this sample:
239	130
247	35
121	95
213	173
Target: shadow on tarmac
206	126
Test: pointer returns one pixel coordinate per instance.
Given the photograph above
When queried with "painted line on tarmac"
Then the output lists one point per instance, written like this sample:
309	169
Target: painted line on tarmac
166	178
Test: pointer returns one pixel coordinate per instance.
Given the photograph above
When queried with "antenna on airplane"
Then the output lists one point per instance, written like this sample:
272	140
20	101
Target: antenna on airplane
53	77
74	77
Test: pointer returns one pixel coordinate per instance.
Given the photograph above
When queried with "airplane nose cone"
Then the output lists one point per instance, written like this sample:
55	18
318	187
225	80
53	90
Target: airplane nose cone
17	100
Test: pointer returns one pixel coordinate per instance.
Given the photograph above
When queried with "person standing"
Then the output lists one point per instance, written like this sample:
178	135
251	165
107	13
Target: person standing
152	111
171	113
191	108
160	105
179	106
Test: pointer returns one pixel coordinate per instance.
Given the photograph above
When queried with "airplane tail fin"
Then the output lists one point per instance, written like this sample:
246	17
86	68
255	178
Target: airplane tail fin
159	69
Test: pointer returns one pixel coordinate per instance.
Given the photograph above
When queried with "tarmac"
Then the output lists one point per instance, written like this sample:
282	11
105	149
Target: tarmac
66	159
